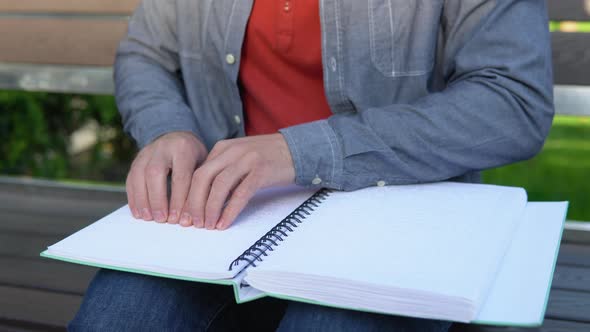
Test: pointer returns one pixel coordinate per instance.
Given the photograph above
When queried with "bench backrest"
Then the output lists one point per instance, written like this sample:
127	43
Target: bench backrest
69	46
61	45
571	55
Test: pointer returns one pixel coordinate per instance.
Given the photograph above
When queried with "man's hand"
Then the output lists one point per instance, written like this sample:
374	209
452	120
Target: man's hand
233	172
179	152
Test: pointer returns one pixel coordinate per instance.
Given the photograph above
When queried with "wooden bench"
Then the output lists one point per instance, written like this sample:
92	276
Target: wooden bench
68	46
61	45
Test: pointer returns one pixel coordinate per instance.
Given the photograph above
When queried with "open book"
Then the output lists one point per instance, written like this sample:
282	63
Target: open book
452	251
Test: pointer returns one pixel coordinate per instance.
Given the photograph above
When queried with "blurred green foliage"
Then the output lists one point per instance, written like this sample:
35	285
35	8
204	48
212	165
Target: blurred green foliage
36	129
560	172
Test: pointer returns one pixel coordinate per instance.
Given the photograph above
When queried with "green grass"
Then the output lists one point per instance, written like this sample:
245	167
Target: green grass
569	26
560	172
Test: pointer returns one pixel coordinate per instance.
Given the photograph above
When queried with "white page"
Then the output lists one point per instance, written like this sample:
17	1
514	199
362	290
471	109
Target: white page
410	237
519	294
121	241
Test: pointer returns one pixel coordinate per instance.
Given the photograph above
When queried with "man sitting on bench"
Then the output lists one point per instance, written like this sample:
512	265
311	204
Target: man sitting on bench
233	96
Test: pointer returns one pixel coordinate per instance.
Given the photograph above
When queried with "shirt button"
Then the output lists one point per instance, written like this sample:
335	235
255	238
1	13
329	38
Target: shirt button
333	64
237	119
381	184
230	59
316	181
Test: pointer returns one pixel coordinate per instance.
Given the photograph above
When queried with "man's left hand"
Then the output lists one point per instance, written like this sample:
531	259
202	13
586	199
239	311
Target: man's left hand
234	170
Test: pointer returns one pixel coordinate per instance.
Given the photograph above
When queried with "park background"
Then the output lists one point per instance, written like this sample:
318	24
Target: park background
64	157
79	138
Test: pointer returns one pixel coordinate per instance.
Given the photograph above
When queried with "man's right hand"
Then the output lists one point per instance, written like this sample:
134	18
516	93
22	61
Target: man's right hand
177	152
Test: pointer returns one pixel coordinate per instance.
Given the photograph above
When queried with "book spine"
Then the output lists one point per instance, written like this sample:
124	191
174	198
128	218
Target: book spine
278	233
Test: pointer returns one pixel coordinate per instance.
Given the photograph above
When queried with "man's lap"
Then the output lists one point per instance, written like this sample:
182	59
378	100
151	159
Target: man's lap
119	301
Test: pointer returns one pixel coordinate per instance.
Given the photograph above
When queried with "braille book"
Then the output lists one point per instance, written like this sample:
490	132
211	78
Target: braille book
452	251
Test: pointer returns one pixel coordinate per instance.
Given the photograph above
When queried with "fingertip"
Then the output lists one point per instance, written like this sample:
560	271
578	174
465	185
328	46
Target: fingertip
159	216
135	213
198	222
146	214
185	220
222	225
173	217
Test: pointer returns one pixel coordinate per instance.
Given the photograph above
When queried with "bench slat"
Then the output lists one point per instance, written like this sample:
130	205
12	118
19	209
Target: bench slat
559	10
69	6
569	305
571	58
574	254
45	274
571	278
549	325
52	78
26	246
50	225
568	10
86	204
65	41
573	100
40	307
12	326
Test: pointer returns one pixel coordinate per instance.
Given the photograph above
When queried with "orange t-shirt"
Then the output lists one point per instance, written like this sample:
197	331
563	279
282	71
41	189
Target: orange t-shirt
281	79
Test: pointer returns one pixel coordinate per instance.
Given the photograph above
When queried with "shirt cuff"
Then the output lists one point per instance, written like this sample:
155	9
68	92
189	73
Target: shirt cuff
317	154
153	122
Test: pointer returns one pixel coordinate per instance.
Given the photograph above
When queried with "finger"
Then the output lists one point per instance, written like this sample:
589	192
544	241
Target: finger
238	201
137	185
219	148
182	171
130	197
194	207
156	175
223	184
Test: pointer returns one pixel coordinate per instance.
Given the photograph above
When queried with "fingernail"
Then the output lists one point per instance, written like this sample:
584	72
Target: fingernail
136	213
185	220
159	216
220	225
197	222
173	217
210	225
146	214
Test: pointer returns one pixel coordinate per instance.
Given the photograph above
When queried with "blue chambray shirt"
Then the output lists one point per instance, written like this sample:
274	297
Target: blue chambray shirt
420	90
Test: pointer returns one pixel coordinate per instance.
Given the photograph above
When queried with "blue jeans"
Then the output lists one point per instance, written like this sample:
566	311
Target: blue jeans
118	301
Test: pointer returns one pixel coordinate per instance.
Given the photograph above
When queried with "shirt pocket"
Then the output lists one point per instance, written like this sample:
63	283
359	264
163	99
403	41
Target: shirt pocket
403	35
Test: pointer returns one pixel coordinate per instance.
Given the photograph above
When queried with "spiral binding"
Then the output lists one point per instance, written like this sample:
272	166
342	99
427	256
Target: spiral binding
276	235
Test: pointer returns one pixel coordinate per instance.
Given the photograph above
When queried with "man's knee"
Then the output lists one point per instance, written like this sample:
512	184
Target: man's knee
119	301
309	317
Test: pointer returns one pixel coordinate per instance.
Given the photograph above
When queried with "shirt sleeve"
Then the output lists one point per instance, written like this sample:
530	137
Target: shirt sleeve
496	108
149	91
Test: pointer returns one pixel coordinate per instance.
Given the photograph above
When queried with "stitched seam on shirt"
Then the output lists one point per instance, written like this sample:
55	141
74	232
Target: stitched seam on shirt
327	78
392	37
299	161
325	130
339	50
373	51
204	35
227	28
297	156
371	28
